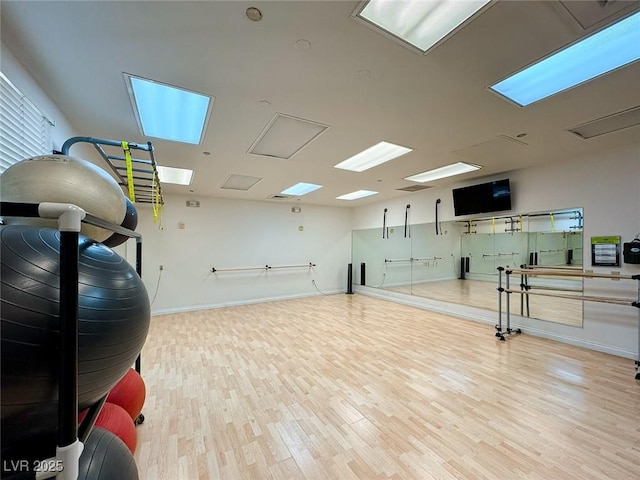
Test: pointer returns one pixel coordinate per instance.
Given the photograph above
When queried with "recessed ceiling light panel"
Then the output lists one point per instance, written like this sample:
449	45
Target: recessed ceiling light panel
419	23
380	153
179	176
168	112
609	49
443	172
356	195
300	189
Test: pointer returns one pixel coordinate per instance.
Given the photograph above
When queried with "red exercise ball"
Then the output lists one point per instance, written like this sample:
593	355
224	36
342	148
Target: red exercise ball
115	419
129	393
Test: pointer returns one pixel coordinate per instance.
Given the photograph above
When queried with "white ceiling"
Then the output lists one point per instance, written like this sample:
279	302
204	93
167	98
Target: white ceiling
366	87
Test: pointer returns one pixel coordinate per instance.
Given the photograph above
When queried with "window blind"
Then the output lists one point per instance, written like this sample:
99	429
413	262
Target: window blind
24	130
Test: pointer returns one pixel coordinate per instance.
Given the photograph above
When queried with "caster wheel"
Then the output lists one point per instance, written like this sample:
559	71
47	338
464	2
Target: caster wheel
139	420
502	339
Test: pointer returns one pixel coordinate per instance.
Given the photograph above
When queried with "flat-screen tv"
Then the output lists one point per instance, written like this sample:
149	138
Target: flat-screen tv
482	198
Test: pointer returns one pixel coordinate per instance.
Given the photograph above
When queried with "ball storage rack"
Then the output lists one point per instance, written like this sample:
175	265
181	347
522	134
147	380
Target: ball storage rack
70	436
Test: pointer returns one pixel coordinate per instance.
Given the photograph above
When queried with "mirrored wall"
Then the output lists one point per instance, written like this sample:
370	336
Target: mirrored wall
457	261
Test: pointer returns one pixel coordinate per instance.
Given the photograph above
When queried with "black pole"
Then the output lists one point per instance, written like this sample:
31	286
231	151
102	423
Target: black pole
139	270
68	354
362	274
385	234
350	279
462	268
407	226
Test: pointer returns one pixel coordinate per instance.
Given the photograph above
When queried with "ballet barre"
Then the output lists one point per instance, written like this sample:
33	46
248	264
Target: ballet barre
512	254
559	272
586	298
406	260
266	267
569	273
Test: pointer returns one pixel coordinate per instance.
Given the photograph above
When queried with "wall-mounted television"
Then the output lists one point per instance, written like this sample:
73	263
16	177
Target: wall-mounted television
482	198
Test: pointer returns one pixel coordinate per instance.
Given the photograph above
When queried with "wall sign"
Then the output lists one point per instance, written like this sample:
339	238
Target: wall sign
605	251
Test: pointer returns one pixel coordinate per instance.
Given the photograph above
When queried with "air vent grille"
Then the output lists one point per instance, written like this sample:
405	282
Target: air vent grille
413	188
608	124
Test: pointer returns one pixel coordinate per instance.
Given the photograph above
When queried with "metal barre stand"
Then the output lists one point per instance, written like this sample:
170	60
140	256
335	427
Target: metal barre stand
500	333
563	273
70	436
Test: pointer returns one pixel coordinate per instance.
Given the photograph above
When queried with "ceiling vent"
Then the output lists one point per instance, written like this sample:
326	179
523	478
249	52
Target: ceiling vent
284	136
501	147
589	13
610	123
413	188
279	196
240	182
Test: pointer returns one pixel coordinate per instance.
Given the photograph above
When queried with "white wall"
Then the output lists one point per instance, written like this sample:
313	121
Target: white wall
607	187
29	86
224	233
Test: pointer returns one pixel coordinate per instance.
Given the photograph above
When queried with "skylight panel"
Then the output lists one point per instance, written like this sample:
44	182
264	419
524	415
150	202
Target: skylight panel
300	189
356	195
168	112
609	49
420	23
179	176
373	156
443	172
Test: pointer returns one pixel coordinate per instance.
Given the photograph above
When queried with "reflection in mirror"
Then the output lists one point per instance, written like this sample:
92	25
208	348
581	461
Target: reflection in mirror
458	263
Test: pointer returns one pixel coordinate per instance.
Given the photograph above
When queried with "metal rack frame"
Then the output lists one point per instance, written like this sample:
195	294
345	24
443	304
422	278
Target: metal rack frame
69	435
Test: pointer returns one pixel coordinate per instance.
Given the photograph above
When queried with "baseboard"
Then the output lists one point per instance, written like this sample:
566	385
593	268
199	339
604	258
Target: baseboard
252	301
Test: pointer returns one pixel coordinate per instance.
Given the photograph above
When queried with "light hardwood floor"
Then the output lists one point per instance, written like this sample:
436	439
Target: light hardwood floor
354	387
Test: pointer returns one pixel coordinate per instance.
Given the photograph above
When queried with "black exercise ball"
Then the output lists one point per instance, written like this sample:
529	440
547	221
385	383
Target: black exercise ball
106	457
113	321
129	222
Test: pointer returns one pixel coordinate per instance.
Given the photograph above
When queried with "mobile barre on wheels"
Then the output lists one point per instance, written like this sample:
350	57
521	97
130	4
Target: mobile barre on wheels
500	333
529	272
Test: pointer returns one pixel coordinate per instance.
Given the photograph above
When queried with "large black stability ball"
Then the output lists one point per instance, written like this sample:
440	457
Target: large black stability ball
106	457
130	222
113	323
